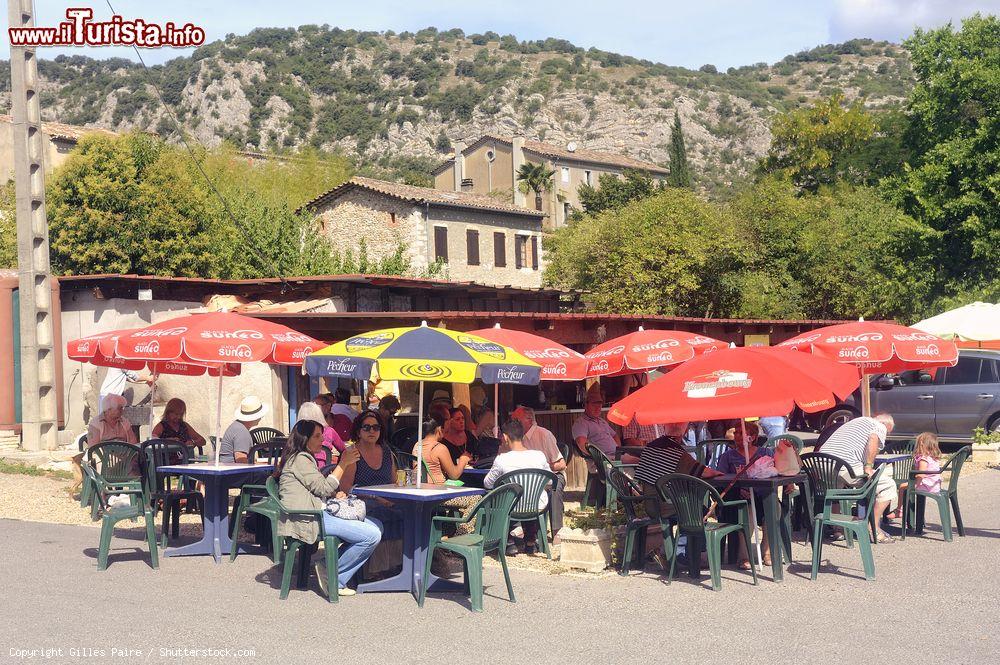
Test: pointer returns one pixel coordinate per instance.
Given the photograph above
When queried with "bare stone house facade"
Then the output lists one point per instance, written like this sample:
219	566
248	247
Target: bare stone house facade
490	164
477	238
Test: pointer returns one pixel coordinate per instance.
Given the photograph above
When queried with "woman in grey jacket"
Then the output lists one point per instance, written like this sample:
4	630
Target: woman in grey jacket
302	486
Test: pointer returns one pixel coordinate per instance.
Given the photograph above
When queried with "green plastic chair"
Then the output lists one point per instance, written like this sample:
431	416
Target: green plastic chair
161	489
112	516
492	515
119	466
707	451
602	463
858	527
947	495
292	546
534	482
823	472
772	443
636	523
691	497
267	509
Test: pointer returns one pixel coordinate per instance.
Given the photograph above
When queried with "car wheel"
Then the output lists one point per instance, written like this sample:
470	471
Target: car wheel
840	415
994	425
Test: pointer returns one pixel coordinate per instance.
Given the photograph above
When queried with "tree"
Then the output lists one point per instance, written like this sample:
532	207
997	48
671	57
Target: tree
812	145
537	178
680	170
954	181
443	143
614	192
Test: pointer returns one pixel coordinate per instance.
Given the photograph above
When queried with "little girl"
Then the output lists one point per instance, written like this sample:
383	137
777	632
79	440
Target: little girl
926	456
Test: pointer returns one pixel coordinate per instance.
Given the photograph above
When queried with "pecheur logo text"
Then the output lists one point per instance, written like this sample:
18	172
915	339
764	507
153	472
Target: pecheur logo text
510	374
341	367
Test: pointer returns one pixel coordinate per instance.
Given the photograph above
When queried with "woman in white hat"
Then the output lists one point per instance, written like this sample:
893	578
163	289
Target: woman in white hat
236	442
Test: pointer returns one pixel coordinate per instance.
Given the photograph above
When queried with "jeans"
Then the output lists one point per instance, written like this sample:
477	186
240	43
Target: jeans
360	540
773	426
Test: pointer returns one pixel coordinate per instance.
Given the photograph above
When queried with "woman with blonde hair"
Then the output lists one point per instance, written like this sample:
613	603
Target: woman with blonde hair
173	427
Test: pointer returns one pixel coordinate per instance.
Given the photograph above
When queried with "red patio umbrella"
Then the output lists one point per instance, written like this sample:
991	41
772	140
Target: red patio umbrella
875	348
100	350
644	350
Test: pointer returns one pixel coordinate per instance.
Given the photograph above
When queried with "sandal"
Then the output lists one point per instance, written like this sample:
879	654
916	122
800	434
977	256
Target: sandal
767	561
745	564
883	537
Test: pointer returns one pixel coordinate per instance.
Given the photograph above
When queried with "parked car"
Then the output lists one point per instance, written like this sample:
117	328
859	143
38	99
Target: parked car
951	401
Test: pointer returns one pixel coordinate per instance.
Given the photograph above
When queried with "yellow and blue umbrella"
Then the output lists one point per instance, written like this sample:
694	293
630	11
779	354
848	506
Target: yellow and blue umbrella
423	354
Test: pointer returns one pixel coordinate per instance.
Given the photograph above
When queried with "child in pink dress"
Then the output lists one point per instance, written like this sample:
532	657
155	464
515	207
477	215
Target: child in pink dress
926	456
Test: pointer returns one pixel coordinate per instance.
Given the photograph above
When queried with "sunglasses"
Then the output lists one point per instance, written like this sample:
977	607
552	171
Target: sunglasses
371	428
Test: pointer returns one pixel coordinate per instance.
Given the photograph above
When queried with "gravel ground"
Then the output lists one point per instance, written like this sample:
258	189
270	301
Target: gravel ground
56	599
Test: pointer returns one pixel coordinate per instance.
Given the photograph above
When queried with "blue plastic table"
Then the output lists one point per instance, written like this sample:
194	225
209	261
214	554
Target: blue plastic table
217	478
474	477
417	508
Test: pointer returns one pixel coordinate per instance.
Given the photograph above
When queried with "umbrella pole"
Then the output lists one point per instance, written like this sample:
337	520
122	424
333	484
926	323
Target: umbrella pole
866	396
420	433
152	399
753	502
218	419
496	410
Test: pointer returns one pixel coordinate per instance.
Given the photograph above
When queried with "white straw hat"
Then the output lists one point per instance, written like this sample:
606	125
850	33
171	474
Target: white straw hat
251	408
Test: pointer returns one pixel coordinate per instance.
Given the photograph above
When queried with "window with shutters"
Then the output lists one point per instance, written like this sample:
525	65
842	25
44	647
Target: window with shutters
500	249
534	252
472	247
520	251
441	243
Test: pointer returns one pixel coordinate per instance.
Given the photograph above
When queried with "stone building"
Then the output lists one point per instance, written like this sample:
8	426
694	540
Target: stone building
478	238
490	164
60	139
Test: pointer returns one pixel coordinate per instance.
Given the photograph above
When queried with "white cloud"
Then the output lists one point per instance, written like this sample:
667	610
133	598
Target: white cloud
895	19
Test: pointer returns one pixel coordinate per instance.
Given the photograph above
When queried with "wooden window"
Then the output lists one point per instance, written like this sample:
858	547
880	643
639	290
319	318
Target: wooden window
587	176
534	252
472	247
500	249
441	243
520	251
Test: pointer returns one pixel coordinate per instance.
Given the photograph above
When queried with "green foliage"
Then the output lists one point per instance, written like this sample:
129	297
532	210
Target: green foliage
680	170
537	178
8	226
811	145
614	192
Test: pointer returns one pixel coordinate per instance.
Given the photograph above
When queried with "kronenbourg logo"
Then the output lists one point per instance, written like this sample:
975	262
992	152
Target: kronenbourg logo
341	366
151	347
928	350
854	353
510	374
717	384
232	334
362	342
483	346
238	351
546	354
559	369
847	339
161	332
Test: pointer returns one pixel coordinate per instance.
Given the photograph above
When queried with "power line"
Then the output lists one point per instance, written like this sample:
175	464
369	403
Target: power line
190	151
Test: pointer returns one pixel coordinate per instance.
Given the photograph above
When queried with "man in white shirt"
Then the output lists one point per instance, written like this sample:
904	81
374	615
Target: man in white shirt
114	384
342	405
537	437
515	458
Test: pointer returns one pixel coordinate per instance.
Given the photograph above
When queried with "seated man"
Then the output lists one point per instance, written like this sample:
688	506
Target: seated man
236	442
537	437
667	455
591	428
857	442
515	458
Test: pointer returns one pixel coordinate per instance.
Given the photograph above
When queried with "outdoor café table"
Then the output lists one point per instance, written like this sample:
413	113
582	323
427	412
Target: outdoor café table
217	478
417	508
772	514
473	477
890	458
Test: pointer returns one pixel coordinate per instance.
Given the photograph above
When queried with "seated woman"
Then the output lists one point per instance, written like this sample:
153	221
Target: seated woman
111	425
173	427
438	456
333	445
376	465
733	461
302	486
456	438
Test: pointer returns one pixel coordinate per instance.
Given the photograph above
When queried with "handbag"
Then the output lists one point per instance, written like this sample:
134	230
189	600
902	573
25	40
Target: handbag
348	508
786	459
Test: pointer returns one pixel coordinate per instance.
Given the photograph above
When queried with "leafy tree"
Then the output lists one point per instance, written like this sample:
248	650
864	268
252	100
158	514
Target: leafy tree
614	192
954	182
8	226
443	143
537	178
680	170
812	145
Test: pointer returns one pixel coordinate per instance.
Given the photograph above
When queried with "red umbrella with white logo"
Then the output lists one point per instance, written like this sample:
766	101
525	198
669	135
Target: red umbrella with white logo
876	348
214	340
100	350
645	350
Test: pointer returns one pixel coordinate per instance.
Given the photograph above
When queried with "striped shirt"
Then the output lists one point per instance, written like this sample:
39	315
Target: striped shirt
850	441
665	455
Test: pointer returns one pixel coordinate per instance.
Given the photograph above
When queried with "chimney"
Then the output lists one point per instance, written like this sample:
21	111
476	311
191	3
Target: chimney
459	165
517	159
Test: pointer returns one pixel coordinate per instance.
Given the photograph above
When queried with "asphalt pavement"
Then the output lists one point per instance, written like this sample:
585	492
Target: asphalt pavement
932	602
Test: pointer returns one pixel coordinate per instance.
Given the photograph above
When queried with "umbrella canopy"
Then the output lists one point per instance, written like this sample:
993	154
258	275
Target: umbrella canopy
100	350
423	354
975	325
643	350
736	383
558	362
876	347
216	337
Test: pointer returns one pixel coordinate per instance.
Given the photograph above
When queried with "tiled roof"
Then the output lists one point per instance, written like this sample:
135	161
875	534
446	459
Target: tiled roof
422	195
556	152
58	130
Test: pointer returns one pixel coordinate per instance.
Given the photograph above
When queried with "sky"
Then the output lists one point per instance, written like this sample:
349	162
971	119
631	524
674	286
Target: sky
675	32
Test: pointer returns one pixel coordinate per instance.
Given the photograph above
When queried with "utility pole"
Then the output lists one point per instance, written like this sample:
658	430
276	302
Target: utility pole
39	427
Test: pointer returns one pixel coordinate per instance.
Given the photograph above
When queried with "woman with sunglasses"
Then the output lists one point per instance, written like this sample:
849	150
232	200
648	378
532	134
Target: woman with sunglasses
376	466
